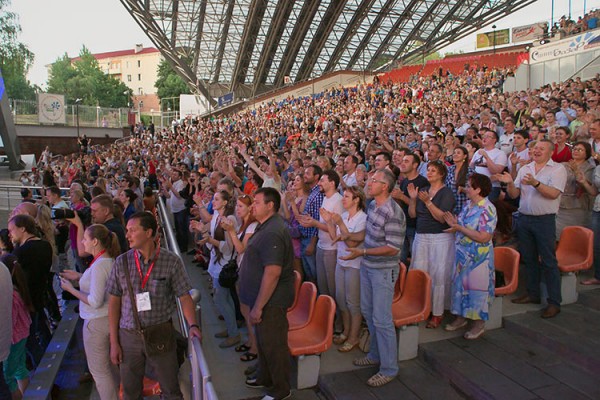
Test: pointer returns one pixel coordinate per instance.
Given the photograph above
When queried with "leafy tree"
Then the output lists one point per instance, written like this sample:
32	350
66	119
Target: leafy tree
15	57
83	79
168	83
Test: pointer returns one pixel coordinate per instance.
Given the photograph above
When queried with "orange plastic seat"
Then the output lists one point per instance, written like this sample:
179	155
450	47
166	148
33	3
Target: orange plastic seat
151	388
399	287
297	283
415	303
317	336
575	251
506	260
301	315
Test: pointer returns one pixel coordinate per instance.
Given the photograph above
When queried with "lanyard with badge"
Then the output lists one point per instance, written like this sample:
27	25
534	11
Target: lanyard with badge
143	299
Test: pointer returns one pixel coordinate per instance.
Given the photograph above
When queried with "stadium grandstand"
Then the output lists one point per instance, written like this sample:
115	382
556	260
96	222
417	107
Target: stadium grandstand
424	229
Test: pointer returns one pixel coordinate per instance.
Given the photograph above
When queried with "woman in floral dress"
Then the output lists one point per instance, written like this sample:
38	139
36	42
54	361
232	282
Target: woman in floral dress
473	278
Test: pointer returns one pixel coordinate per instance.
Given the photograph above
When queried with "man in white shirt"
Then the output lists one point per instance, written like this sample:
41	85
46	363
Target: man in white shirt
540	185
566	113
489	160
506	141
349	179
326	256
520	154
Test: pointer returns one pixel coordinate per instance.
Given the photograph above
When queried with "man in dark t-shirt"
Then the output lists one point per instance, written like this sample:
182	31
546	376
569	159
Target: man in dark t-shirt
267	287
409	168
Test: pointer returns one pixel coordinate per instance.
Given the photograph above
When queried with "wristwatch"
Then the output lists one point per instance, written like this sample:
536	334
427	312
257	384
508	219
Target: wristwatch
537	184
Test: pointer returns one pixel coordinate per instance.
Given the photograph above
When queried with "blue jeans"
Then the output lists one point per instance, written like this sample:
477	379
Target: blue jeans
596	229
309	263
495	193
537	240
224	303
376	294
408	242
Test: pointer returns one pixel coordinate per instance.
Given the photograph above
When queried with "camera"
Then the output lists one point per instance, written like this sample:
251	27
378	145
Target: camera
62	213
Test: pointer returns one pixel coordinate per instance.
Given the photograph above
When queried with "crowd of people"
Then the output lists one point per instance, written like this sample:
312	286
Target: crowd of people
340	187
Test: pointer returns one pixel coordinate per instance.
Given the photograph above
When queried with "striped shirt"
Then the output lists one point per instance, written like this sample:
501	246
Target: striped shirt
386	226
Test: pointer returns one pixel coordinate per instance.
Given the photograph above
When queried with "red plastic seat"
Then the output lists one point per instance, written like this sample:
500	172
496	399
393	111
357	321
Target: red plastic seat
317	336
297	283
301	315
415	303
575	251
399	287
151	388
506	260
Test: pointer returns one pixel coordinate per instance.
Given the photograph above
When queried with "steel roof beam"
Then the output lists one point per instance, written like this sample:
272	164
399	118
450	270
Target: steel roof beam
175	15
357	19
280	18
305	19
223	40
198	40
251	29
417	27
320	38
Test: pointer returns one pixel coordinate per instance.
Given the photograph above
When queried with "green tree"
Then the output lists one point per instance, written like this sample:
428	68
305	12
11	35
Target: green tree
15	57
82	78
168	83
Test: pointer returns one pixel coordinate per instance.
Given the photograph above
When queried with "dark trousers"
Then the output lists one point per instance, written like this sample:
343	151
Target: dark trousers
274	364
39	337
132	370
4	390
181	229
537	241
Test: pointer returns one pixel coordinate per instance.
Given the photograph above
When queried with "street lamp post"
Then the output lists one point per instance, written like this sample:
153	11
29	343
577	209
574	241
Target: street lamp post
77	102
494	38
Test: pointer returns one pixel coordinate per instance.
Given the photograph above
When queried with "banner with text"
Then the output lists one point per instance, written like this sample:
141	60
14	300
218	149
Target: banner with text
487	39
566	47
51	108
529	33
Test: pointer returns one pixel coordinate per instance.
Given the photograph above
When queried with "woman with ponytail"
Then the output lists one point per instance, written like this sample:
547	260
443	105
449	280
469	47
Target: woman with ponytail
103	245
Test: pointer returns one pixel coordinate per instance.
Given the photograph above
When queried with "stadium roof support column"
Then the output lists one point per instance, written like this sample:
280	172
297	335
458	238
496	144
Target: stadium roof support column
413	33
325	27
144	19
223	40
201	15
305	19
251	29
174	23
282	14
351	29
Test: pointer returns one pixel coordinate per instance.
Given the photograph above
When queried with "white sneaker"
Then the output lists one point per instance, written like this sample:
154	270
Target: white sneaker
267	397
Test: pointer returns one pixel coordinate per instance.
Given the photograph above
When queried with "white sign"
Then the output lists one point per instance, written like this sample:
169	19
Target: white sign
566	47
529	33
51	108
191	104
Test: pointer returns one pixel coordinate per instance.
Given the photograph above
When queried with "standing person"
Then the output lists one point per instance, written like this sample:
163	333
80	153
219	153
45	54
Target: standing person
103	246
458	174
294	200
267	287
157	277
540	185
433	249
174	189
6	290
15	368
386	226
473	279
347	273
596	228
128	197
489	161
326	250
35	257
562	152
308	240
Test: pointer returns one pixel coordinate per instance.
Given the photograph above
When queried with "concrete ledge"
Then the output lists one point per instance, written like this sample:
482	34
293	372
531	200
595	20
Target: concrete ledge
408	342
568	288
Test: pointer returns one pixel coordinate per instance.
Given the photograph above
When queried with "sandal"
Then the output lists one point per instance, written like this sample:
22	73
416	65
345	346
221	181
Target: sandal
364	362
379	380
434	322
454	327
248	356
242	348
591	281
346	347
339	339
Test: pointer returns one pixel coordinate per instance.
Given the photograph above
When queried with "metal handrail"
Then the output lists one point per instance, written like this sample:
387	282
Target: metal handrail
202	387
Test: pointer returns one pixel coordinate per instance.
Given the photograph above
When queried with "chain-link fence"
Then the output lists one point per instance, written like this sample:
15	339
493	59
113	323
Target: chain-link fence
25	112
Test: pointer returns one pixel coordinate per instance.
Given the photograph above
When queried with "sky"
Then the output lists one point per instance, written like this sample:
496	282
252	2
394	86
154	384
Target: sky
52	28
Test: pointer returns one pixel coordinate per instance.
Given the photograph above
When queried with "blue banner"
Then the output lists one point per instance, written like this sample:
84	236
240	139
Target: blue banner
1	86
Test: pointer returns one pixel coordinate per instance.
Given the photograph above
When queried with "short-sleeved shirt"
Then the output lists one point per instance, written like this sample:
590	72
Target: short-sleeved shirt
333	204
532	202
271	244
386	226
444	200
357	223
168	280
421	183
480	163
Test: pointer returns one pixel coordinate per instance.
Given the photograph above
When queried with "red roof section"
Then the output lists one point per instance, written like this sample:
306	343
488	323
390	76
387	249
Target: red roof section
120	53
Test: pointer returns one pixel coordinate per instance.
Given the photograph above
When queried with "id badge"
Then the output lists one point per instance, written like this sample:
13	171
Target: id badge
142	301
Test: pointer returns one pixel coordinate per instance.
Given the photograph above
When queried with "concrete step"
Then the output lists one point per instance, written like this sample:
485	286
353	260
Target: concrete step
590	299
415	381
574	334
